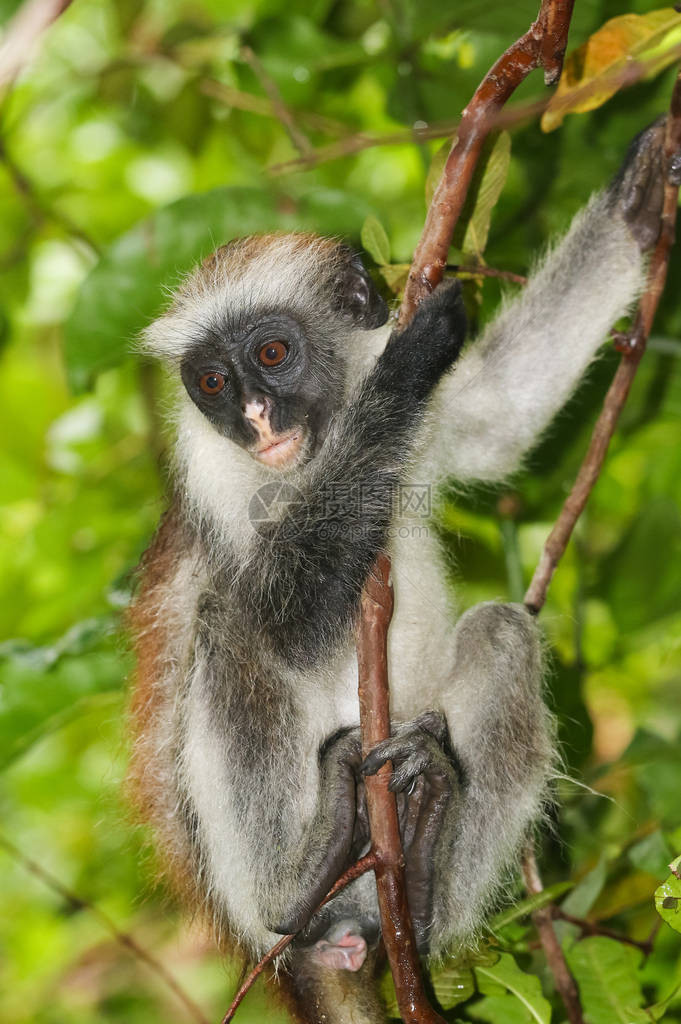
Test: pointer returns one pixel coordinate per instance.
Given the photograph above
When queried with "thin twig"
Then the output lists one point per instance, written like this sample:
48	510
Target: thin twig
360	867
617	78
348	145
613	404
479	271
246	101
594	928
122	938
543	921
23	34
282	112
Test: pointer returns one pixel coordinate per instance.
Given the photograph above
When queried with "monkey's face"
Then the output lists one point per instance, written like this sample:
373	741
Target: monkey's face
271	319
267	385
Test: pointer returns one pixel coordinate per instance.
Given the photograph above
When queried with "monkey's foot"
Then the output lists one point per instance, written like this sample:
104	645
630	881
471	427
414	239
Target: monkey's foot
341	949
417	748
638	188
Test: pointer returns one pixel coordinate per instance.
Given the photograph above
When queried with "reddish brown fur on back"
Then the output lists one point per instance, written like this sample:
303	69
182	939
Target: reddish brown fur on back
148	782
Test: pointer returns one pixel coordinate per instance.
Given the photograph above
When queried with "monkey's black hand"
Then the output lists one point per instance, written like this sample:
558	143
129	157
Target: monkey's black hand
638	188
414	359
426	784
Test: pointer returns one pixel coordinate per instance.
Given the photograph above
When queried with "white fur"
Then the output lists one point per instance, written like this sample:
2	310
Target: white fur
508	385
283	274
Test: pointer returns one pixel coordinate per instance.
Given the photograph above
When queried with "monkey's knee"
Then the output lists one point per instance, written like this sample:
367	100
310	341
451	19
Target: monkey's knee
502	643
499	668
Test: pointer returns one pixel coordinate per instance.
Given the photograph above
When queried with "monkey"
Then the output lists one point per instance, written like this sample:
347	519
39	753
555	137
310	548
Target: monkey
303	414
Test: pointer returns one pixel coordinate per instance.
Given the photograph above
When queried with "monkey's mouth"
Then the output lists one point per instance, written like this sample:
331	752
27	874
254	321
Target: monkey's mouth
282	451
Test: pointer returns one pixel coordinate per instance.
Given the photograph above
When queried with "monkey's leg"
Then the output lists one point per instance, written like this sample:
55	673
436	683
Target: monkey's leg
332	843
502	733
426	782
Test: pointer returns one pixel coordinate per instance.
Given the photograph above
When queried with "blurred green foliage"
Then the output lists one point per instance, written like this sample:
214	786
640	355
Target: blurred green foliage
138	139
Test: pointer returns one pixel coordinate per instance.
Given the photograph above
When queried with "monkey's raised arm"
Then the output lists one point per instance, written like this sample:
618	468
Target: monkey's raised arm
512	381
317	558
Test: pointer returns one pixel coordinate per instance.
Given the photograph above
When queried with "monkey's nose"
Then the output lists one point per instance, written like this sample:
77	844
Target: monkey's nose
257	409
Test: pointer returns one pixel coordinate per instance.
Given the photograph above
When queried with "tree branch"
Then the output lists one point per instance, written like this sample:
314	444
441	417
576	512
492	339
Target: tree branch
543	45
543	922
634	346
23	35
374	714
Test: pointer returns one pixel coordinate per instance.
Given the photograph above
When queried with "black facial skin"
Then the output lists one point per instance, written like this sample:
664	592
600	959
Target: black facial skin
304	389
234	353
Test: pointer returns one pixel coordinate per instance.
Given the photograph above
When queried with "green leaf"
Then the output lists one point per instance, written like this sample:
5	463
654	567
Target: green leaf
658	1010
128	286
375	240
586	892
652	854
453	983
500	1010
529	905
495	172
606	972
437	166
41	688
395	276
485	188
525	987
668	897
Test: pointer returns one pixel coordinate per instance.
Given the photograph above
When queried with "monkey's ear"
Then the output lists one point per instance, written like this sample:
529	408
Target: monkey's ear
358	296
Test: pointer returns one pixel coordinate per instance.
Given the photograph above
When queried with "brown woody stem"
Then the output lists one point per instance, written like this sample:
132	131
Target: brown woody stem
618	391
374	713
586	479
543	922
543	45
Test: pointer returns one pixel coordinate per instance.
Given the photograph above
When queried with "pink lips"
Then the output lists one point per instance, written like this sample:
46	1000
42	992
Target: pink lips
281	451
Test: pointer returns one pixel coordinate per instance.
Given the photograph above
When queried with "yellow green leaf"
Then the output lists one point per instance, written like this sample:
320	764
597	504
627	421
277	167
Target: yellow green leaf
395	276
375	240
589	75
486	189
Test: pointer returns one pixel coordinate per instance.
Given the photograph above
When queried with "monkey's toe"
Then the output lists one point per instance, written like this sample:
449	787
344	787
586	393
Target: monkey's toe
416	749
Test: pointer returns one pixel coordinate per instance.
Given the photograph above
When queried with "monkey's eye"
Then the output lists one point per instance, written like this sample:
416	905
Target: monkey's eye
273	353
212	383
